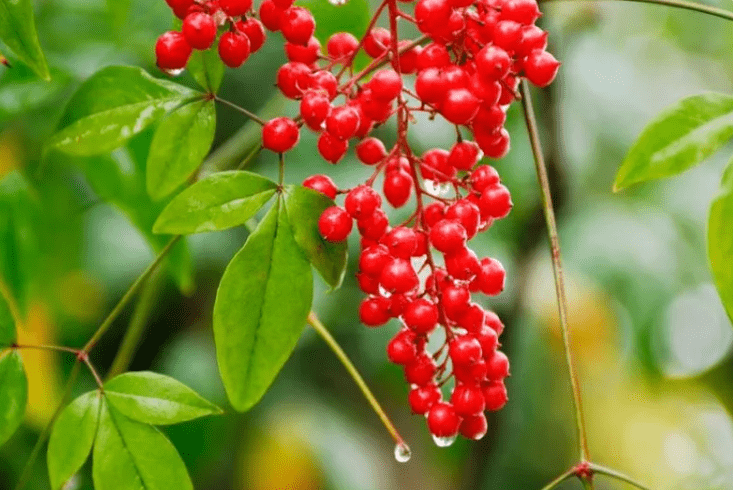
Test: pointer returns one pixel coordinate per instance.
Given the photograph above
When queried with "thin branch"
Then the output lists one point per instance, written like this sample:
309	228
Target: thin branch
244	111
10	301
681	4
556	262
568	474
129	295
602	470
314	322
250	157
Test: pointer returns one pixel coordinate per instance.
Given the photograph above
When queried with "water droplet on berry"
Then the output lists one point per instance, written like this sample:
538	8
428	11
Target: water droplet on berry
174	73
402	453
437	188
384	292
338	2
444	441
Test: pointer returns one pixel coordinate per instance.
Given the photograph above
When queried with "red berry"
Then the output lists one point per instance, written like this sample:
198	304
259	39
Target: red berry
386	85
483	177
488	120
434	55
255	32
341	45
373	259
443	421
522	11
492	63
474	427
233	49
423	397
343	122
314	108
491	277
498	365
467	214
180	7
172	51
397	188
464	155
280	134
459	106
326	81
430	86
420	371
322	184
455	300
371	151
431	15
401	241
374	225
540	68
398	302
374	311
408	59
532	38
462	264
507	34
470	373
495	395
493	321
467	400
375	109
293	78
331	148
271	15
199	29
473	320
377	42
421	316
307	53
432	213
489	91
335	224
401	349
398	276
448	236
434	166
368	284
496	201
488	339
283	4
362	201
235	8
494	145
298	25
464	349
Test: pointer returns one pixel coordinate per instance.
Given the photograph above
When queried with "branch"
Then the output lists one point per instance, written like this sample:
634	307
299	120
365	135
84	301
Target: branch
616	475
681	4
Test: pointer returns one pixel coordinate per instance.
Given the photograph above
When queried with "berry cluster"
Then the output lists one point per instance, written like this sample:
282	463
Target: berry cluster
201	22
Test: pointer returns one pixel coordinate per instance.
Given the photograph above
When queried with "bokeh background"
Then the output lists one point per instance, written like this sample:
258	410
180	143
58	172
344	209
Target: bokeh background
651	339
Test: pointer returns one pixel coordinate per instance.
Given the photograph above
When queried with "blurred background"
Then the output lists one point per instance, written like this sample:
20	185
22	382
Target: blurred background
651	339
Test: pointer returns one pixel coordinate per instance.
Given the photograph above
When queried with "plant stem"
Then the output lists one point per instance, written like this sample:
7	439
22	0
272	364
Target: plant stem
568	474
28	468
250	157
681	4
138	323
556	262
616	475
129	295
244	111
54	348
10	301
314	322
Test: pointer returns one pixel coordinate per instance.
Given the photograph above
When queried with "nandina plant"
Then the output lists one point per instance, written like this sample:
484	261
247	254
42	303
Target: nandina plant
473	60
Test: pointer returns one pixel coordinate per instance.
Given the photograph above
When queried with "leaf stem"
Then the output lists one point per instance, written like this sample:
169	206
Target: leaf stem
244	111
616	475
250	156
549	213
129	295
28	468
140	319
681	4
314	322
568	474
10	301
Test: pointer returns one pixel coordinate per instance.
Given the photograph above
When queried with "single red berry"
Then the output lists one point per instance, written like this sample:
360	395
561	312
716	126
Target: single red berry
293	79
172	51
494	144
386	85
434	166
431	15
322	184
498	365
522	11
368	284
420	371
467	400
470	373
532	38
370	151
180	7
271	15
438	280
459	106
491	277
508	90
365	122
401	349
455	76
432	213
473	319
462	264
233	49
331	148
255	32
434	55
408	58
464	155
422	398
374	225
493	321
335	224
377	41
422	245
495	395
455	300
398	302
492	62
307	53
314	108
421	316
397	188
397	164
467	214
448	236
283	4
326	81
362	201
341	45
373	259
199	29
443	421
496	201
375	109
489	91
343	122
430	86
401	242
298	25
464	349
507	35
374	311
398	276
280	134
474	427
488	339
488	120
235	8
483	177
540	68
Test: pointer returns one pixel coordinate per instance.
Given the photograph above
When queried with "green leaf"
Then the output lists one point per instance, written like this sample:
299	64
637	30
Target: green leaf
207	69
260	310
21	90
72	438
7	324
156	399
129	455
179	146
680	137
118	10
18	32
13	394
112	106
217	202
304	209
720	240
